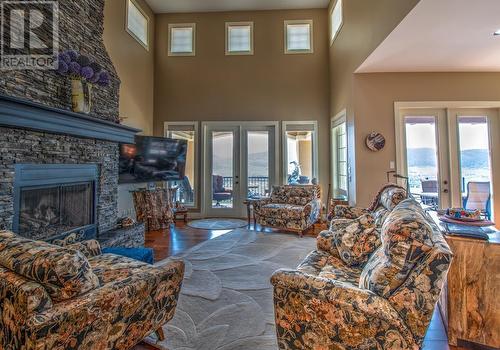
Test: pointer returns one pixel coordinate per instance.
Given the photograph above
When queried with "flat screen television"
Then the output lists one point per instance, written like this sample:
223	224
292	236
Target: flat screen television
152	159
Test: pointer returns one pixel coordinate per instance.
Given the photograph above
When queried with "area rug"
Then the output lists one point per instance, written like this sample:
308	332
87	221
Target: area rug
217	224
226	300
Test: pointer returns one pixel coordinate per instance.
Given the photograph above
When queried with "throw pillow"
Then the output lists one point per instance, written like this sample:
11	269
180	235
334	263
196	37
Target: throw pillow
406	238
355	239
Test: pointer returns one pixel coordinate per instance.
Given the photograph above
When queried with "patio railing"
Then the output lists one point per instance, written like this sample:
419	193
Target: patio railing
257	185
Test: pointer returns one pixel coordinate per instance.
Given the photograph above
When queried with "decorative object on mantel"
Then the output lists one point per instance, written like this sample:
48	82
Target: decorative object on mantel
375	141
83	74
153	208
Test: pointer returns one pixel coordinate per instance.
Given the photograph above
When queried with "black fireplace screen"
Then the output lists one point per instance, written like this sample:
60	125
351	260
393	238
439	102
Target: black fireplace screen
54	210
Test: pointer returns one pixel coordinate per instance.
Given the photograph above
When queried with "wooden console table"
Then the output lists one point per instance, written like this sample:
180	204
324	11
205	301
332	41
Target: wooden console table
470	301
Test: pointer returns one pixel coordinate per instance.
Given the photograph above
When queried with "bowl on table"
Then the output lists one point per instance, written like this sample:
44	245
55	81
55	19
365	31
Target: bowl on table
463	214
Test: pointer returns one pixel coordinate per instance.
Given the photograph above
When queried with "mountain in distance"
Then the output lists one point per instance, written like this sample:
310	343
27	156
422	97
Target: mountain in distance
257	164
426	157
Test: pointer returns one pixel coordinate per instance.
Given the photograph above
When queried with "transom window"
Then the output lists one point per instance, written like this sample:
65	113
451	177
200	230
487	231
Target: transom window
182	39
298	36
239	38
336	20
137	23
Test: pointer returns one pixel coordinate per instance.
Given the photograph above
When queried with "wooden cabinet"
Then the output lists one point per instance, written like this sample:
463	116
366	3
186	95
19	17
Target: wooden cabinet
470	302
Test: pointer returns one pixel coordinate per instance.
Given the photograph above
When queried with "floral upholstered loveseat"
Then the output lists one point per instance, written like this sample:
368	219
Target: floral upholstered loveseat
383	203
381	295
74	297
290	207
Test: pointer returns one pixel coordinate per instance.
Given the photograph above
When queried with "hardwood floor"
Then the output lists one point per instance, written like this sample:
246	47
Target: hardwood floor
181	237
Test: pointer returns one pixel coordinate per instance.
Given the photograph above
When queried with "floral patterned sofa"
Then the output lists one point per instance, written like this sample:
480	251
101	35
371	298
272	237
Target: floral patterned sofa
290	207
74	297
383	203
379	295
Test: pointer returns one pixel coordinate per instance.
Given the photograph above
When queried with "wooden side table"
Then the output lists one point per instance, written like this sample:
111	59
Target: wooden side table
183	212
470	303
249	203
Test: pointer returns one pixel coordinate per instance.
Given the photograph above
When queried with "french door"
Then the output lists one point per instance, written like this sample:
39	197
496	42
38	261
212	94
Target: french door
240	161
423	156
451	156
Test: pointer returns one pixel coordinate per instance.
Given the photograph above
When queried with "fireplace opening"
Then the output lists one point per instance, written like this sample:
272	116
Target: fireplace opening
53	201
51	211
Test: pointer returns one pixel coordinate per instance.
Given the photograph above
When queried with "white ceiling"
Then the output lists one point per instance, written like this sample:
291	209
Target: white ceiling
172	6
442	36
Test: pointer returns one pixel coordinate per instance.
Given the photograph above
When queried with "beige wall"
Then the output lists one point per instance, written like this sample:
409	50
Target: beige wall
366	24
266	86
375	95
134	64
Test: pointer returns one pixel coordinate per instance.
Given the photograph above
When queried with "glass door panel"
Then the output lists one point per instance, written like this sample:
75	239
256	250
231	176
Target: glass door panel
422	158
222	169
257	154
475	163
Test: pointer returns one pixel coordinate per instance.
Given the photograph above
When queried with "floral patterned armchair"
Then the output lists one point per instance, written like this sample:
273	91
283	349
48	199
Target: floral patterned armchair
74	297
290	207
384	202
381	296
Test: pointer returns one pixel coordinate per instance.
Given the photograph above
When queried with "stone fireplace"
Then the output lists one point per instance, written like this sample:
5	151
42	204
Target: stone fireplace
41	140
48	159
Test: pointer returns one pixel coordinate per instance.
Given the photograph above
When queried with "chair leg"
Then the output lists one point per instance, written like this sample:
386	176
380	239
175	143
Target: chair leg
160	334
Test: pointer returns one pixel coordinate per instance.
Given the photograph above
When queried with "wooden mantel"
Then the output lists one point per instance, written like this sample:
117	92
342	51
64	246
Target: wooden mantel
24	114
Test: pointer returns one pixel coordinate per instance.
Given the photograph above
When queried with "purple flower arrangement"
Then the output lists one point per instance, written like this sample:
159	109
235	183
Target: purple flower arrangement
71	64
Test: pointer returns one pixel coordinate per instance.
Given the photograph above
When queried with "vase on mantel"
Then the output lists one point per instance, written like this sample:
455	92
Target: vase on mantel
81	96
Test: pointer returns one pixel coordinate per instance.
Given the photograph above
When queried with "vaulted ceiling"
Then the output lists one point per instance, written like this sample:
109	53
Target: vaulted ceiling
173	6
442	35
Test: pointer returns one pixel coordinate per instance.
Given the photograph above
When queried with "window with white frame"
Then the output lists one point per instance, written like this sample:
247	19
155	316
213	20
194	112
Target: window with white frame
336	20
137	23
339	158
298	36
187	187
300	152
239	38
181	39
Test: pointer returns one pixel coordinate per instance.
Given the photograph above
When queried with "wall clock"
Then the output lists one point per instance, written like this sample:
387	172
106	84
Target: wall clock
375	141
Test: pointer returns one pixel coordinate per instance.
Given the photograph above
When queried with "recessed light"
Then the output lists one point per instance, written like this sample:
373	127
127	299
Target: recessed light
497	32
